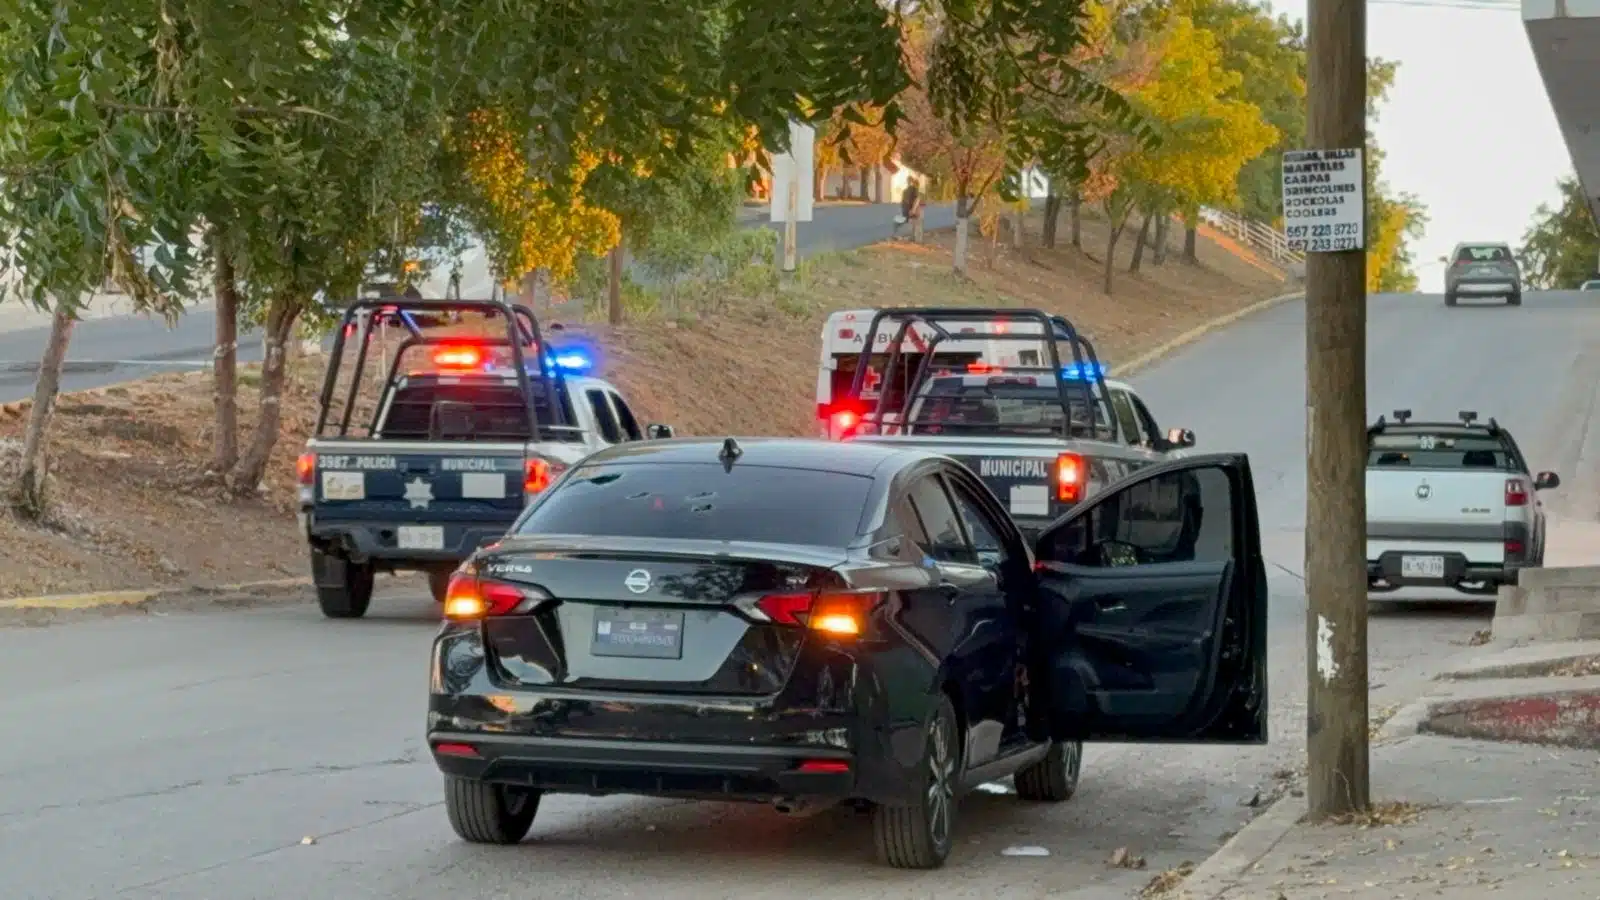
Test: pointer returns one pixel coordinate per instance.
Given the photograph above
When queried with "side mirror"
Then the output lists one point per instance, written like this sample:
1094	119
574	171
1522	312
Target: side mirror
658	432
1180	438
1546	480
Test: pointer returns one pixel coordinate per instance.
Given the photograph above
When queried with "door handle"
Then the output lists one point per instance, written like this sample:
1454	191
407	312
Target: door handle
950	592
1110	604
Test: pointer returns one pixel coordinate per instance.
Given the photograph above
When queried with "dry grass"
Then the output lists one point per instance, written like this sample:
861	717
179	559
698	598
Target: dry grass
133	509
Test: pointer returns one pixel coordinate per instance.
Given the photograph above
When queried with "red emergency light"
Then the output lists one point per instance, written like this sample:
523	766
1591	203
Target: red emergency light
458	357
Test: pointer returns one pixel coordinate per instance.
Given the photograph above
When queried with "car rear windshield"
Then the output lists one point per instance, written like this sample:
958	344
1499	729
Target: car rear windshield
1483	254
1001	406
482	411
1427	450
704	501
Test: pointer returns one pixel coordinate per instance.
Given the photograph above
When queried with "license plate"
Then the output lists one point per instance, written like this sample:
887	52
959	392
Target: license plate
649	634
1421	567
483	486
344	485
1030	500
420	537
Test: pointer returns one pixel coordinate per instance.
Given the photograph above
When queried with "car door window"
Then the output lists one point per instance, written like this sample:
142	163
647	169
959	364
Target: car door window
938	517
1127	421
604	418
630	425
981	530
1147	422
1184	516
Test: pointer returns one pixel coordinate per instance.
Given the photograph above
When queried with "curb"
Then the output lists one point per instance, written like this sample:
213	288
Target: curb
1194	334
133	598
1551	718
1222	869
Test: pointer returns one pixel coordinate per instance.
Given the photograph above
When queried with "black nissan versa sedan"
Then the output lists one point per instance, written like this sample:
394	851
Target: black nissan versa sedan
807	623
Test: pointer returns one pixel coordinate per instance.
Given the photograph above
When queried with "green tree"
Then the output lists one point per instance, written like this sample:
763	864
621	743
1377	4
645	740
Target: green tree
1561	246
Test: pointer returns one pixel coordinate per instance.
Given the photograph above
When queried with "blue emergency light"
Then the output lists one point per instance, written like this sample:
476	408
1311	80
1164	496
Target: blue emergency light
1083	372
572	362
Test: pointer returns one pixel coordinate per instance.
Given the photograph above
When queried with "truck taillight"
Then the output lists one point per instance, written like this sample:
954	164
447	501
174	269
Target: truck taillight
844	423
306	467
536	475
1069	478
1516	492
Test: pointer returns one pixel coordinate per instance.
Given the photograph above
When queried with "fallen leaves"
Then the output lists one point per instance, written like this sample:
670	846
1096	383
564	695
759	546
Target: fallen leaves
1480	637
1381	815
1579	668
1168	881
1123	858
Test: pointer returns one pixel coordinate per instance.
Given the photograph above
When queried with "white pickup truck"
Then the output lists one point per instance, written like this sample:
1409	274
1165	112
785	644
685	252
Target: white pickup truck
454	451
1450	504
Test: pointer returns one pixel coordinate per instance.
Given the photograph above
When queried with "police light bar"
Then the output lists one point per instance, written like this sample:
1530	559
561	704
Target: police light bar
572	362
1084	372
458	357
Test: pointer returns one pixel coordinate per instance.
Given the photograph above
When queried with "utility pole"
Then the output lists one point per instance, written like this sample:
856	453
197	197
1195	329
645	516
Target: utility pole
1336	411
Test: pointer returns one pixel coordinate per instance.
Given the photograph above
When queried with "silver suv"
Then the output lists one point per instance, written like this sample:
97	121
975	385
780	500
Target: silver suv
1482	270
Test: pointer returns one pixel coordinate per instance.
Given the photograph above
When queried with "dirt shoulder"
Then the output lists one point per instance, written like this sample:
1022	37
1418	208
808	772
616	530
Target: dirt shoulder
740	358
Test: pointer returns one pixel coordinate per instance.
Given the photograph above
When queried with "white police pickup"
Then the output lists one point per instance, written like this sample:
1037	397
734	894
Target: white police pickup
448	465
1450	504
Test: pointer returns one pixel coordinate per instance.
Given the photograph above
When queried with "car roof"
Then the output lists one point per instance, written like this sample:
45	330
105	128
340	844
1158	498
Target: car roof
847	457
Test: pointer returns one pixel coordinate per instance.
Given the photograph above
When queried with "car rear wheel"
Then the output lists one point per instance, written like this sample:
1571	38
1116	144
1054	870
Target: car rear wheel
484	813
1514	300
1055	778
1449	299
918	836
439	583
344	588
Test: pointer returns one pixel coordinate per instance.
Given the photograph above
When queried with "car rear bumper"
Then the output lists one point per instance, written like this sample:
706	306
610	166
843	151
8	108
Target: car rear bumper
1384	573
1487	288
598	767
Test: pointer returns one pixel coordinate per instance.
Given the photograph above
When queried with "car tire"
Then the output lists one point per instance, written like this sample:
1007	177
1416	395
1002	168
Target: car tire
920	835
1053	779
485	813
349	599
1449	299
1514	299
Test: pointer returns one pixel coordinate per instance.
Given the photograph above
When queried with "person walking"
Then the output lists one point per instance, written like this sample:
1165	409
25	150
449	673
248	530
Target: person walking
910	208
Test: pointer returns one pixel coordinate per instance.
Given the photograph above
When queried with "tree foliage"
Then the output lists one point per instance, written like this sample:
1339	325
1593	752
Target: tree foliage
1561	246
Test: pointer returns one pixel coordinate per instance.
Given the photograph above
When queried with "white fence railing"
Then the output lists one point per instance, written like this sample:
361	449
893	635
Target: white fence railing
1264	239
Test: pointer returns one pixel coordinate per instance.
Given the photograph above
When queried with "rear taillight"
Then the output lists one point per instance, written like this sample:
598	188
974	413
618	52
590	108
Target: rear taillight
1069	478
538	474
1516	492
305	467
469	597
844	423
841	614
1513	548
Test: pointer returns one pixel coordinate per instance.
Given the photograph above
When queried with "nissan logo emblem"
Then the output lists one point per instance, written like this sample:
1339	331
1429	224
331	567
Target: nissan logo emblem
637	581
1423	492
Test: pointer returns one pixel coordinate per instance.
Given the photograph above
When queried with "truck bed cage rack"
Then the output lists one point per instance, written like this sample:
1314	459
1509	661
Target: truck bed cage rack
364	313
1403	419
1053	330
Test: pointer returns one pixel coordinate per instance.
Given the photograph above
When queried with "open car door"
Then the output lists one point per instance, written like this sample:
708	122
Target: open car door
1152	609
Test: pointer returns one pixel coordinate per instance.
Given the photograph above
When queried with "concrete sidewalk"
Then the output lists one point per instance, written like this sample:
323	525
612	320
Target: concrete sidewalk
1462	819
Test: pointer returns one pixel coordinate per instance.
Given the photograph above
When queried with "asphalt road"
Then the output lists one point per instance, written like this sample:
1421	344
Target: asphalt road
189	755
110	350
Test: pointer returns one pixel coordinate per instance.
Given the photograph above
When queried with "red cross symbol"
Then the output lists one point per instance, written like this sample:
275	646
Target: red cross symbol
871	381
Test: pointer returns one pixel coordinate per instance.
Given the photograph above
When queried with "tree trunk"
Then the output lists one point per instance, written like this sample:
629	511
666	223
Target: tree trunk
1052	212
1019	228
614	286
251	468
224	359
1111	254
819	182
1139	245
1163	229
1190	239
33	471
861	186
963	223
1075	219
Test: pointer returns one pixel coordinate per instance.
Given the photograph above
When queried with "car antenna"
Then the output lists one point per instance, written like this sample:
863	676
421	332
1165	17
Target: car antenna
730	452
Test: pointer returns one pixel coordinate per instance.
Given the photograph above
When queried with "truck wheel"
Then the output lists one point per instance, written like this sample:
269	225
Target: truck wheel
1054	778
439	583
485	813
1449	299
1514	299
344	589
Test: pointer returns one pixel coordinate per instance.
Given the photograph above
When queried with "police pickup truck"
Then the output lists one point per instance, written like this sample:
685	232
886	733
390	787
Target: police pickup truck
464	431
1450	504
1042	437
